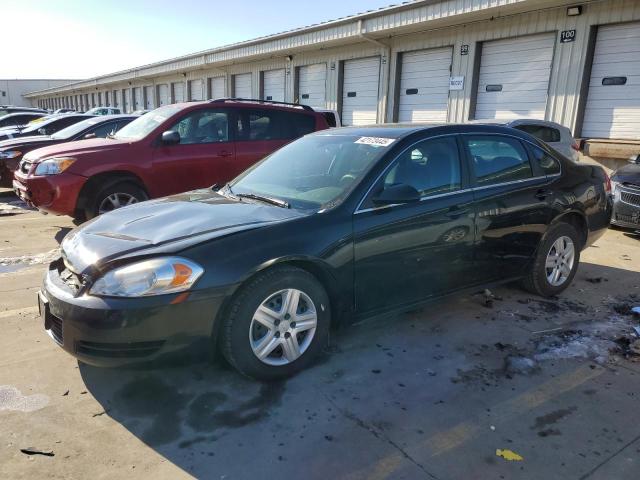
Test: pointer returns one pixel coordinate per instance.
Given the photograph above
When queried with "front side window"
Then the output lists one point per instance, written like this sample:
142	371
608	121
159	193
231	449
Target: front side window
431	167
312	172
104	130
203	126
548	164
498	159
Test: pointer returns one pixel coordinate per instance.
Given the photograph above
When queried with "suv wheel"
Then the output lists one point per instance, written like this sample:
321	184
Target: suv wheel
114	196
277	324
556	261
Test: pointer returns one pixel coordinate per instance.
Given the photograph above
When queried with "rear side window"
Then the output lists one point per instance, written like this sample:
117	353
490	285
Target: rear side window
296	125
62	123
547	163
546	134
256	125
498	159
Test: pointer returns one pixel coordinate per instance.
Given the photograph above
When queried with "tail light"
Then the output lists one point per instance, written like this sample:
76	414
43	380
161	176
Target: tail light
607	183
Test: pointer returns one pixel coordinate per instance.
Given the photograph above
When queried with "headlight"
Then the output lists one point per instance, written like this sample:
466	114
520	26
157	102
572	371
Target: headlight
53	166
10	154
156	276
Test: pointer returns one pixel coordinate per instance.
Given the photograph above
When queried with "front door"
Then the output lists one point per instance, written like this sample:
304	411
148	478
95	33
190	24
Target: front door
409	252
513	205
204	156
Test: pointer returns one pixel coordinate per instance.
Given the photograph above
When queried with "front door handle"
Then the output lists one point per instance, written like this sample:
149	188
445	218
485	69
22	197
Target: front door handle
457	212
542	194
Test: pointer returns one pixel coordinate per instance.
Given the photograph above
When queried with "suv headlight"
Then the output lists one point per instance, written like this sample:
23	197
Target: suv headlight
10	154
53	166
156	276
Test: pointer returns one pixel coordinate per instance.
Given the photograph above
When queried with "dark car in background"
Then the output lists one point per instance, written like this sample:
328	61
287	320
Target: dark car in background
341	224
43	126
12	151
172	149
9	109
625	186
20	119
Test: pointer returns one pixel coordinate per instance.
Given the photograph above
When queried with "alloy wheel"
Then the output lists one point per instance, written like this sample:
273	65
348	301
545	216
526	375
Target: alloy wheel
115	201
560	259
283	327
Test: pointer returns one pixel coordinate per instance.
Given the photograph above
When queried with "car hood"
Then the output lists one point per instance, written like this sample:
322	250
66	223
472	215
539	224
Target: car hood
77	147
628	174
28	141
166	225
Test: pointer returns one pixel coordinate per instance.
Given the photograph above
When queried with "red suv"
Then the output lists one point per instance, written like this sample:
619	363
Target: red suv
172	149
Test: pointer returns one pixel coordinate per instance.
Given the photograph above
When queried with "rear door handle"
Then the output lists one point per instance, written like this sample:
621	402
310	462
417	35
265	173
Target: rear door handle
542	194
225	153
457	212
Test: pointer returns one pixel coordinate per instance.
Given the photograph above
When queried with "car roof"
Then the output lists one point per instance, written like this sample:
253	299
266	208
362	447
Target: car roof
15	114
517	121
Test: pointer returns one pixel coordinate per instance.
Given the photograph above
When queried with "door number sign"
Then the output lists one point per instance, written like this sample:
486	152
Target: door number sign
567	36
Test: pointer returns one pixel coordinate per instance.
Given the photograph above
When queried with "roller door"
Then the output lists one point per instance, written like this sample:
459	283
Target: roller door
126	100
273	85
360	91
424	86
242	85
613	102
312	81
149	98
138	103
163	94
195	90
218	87
178	92
514	77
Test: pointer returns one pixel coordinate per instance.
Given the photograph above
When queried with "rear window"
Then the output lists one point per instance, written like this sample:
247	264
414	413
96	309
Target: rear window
546	134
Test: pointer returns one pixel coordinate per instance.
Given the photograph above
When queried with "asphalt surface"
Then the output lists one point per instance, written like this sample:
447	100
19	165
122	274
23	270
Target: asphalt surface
507	386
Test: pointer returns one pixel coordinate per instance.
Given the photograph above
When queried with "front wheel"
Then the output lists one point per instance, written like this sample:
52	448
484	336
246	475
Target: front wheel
114	196
556	261
276	324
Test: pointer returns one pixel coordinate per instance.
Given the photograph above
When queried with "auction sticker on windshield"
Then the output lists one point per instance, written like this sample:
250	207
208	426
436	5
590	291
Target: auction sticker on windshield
375	141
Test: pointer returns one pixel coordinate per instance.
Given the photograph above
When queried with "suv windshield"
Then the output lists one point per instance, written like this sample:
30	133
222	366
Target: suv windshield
313	172
143	126
74	129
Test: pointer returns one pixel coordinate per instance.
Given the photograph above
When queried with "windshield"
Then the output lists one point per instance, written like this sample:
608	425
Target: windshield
74	129
313	172
143	126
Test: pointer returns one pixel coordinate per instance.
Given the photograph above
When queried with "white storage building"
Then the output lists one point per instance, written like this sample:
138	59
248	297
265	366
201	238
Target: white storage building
423	61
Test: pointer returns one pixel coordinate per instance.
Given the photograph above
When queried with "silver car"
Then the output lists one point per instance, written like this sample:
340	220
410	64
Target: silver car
553	134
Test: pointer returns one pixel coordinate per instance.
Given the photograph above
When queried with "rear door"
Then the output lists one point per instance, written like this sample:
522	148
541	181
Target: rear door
204	156
512	204
407	253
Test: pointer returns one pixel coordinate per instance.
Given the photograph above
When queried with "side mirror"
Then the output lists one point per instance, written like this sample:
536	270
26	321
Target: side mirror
635	159
170	137
89	135
396	194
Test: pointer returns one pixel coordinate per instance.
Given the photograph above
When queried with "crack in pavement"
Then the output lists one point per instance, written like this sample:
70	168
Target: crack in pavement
377	434
604	462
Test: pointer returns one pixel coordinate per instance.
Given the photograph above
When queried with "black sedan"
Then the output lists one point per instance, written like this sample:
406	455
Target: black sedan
338	225
46	126
626	195
12	151
19	119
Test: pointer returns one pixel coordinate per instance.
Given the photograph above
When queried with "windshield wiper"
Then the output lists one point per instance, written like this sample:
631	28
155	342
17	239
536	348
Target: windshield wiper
273	201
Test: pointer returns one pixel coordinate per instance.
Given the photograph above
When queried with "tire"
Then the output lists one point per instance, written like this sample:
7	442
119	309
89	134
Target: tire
242	335
539	280
121	190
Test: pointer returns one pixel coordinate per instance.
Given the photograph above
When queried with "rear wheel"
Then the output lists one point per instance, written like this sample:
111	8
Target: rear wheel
114	196
276	324
556	261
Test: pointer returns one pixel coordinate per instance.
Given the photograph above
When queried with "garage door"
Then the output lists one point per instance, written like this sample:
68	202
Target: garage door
360	91
178	92
138	103
195	90
163	94
242	85
149	100
514	77
117	100
126	100
613	102
273	85
424	86
218	87
312	81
